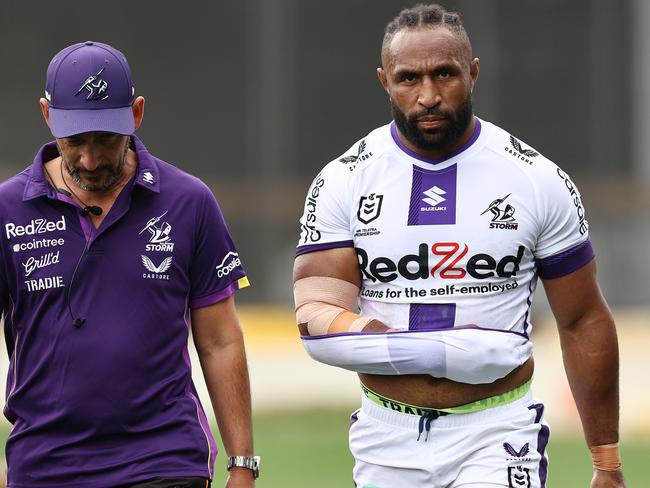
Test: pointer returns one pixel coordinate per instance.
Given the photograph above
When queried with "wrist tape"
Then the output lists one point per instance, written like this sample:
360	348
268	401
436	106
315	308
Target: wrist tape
606	457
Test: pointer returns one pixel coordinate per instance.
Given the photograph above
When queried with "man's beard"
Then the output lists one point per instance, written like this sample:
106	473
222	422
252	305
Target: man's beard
437	139
111	174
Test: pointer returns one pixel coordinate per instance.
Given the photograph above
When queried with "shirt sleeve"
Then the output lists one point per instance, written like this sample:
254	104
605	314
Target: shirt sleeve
563	245
325	222
216	269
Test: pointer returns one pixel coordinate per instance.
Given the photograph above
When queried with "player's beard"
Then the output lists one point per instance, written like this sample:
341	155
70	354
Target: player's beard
437	139
104	177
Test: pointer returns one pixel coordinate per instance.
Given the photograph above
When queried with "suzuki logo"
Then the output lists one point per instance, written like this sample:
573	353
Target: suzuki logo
434	196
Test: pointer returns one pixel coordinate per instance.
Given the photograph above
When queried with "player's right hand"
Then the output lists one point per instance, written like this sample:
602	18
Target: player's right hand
607	479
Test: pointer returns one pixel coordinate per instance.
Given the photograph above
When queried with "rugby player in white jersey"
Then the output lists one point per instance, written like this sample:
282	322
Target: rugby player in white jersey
418	258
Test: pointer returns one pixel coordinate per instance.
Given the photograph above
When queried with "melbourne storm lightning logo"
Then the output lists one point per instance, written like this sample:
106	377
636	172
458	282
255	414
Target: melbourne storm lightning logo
96	87
503	216
159	234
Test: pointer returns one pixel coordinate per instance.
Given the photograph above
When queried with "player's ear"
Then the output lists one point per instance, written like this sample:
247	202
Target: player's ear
474	66
138	111
45	110
381	74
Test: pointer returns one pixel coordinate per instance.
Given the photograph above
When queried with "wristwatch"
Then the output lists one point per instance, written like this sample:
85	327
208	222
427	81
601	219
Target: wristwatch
248	462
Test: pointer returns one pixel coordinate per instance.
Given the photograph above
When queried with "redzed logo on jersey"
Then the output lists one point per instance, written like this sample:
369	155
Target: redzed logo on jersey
445	264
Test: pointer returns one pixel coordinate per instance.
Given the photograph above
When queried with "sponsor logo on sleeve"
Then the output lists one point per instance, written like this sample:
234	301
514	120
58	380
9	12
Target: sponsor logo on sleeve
352	160
583	225
34	227
309	230
520	152
229	262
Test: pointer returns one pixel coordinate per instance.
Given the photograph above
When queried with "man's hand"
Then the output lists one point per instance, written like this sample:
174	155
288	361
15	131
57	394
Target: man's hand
241	478
607	479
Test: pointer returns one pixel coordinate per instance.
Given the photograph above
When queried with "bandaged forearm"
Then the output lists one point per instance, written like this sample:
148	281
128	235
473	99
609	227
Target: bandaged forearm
325	305
468	355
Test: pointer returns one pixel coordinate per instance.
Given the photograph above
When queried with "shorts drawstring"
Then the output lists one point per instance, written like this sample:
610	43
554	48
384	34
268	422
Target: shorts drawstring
425	422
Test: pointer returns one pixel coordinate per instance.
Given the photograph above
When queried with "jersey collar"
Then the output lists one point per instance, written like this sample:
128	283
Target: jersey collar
146	176
419	157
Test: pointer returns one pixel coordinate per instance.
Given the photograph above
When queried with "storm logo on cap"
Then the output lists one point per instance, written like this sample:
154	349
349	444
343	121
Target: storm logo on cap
96	87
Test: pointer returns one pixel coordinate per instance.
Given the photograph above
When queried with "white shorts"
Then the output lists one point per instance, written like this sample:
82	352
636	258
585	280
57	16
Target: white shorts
502	446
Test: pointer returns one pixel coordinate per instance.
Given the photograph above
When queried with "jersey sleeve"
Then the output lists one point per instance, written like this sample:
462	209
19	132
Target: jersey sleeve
216	271
563	245
325	222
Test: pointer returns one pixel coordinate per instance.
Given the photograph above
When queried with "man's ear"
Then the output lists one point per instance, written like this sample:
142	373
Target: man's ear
45	110
138	111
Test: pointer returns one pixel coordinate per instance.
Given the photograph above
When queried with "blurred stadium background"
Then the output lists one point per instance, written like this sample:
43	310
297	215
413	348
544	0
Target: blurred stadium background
255	96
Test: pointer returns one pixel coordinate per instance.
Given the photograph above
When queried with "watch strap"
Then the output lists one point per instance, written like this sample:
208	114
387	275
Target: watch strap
247	462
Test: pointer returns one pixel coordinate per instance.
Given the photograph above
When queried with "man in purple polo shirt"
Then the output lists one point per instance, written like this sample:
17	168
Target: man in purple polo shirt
108	256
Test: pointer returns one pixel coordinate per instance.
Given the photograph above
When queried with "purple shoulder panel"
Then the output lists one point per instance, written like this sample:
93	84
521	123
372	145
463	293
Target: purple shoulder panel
566	262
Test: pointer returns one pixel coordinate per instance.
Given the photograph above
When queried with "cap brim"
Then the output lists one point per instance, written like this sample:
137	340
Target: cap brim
66	123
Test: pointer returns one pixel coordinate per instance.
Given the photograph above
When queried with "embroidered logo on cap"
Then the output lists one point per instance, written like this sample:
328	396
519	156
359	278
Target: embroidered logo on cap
96	87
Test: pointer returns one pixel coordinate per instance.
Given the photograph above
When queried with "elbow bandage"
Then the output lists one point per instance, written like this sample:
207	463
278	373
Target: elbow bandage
468	355
323	302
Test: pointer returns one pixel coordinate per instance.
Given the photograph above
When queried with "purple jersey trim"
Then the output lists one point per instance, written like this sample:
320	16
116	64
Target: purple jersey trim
529	303
419	157
217	296
322	247
342	334
566	262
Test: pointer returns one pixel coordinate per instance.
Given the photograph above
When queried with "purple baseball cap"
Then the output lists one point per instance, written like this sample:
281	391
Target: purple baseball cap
89	88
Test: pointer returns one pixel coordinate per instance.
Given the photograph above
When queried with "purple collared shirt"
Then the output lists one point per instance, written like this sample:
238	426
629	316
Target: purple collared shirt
112	401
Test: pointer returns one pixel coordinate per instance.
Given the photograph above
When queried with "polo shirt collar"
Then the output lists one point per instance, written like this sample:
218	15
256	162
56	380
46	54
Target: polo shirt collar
147	174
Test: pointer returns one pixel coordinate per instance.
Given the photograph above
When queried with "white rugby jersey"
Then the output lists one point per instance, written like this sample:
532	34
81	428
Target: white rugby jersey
448	242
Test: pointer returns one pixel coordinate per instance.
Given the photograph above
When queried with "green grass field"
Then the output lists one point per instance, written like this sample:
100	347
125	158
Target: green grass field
309	450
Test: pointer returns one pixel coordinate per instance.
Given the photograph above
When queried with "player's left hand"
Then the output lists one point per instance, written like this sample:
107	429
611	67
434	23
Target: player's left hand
241	478
607	479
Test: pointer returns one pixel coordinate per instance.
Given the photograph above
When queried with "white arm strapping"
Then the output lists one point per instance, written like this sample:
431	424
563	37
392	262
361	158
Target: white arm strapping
468	355
320	300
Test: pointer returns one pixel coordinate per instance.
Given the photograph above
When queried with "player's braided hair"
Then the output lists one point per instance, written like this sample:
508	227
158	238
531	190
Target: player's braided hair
421	15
